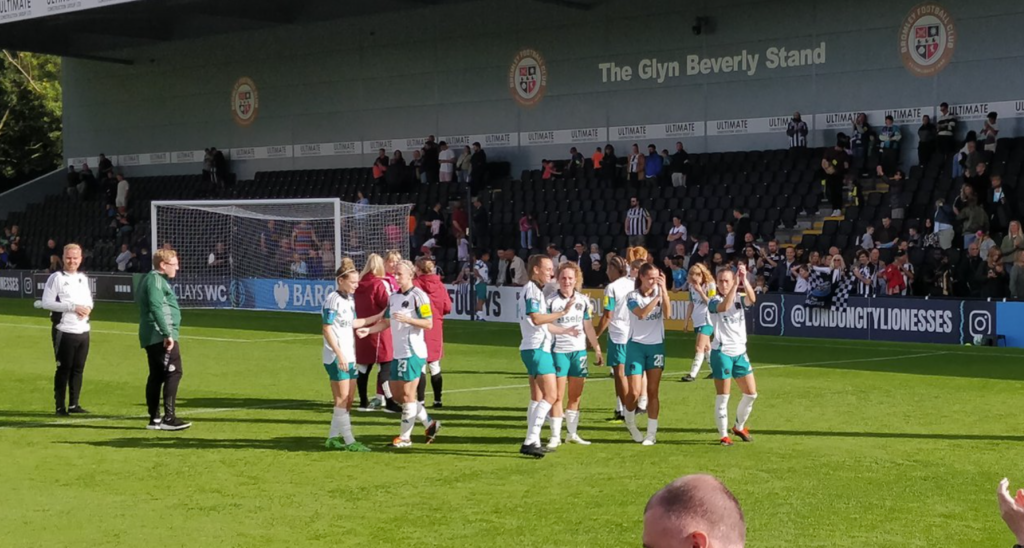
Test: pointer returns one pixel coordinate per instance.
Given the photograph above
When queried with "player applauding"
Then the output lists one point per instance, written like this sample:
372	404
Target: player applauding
645	352
339	323
570	352
408	315
616	320
729	351
537	328
702	290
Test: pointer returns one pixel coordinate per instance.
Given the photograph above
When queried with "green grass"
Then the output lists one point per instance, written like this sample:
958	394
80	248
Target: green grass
857	444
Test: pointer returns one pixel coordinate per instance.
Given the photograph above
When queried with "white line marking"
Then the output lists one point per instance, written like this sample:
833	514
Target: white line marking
187	337
206	411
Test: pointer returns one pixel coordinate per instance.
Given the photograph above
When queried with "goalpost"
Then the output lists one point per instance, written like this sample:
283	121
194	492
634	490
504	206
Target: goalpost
270	254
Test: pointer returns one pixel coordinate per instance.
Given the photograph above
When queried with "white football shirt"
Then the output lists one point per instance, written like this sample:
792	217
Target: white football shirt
339	311
616	297
408	340
700	308
532	301
483	273
575	318
730	326
649	330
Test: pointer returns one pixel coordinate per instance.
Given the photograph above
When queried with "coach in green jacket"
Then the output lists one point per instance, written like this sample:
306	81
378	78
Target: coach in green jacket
159	324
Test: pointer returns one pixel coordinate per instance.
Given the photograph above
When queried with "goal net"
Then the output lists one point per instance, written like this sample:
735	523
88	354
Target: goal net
271	254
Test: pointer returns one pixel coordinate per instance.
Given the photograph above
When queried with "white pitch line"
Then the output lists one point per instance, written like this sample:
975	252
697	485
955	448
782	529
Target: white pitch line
206	411
186	338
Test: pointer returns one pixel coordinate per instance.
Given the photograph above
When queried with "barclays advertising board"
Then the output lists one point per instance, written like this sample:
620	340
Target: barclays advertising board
877	319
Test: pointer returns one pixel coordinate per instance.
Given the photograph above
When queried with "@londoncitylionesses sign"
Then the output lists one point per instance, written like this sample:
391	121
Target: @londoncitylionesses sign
245	101
927	39
528	78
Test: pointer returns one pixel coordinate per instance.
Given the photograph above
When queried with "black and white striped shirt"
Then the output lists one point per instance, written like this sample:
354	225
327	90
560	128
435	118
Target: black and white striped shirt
636	221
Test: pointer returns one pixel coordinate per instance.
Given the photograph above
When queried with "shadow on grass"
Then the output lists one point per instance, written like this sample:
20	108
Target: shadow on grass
822	434
244	402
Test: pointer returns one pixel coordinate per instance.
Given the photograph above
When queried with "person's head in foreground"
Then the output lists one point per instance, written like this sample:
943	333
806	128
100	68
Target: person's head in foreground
695	511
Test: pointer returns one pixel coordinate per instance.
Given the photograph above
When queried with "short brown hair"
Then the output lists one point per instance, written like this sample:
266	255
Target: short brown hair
534	262
161	256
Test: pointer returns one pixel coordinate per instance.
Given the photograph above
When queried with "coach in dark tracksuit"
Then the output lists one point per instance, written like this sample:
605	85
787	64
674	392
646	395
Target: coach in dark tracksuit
159	325
68	297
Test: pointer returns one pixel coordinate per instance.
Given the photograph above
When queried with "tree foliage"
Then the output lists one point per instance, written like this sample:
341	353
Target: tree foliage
30	115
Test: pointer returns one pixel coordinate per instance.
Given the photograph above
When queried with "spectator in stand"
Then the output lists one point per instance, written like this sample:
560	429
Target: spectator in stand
395	172
889	145
990	132
609	167
207	165
5	239
796	130
435	220
985	243
679	166
999	204
481	224
803	279
556	255
299	268
701	255
835	163
73	180
121	198
431	161
718	263
595	253
417	165
304	238
980	180
966	284
925	141
974	219
464	165
742	225
574	166
283	258
56	265
904	278
944	218
50	250
478	167
886	236
861	141
597	158
220	166
123	258
125	224
269	237
653	164
511	269
992	279
638	222
106	167
528	231
4	257
218	262
16	256
108	183
446	157
595	276
580	256
968	158
1012	243
361	200
86	182
550	170
380	167
913	237
677	233
1017	277
945	141
864	272
867	241
459	219
463	247
635	166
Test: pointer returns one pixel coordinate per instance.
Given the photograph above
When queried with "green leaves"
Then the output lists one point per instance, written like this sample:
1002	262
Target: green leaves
30	115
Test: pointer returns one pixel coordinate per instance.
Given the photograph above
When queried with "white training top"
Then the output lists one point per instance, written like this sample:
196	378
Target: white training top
532	301
730	326
616	297
700	308
408	340
62	293
447	155
575	318
649	330
339	311
483	273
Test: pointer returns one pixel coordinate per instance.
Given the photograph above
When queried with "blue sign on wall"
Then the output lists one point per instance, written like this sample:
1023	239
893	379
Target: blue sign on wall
289	295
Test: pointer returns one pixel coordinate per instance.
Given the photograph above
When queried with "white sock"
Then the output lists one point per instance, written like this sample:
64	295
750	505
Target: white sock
346	425
630	418
722	414
556	427
529	411
642	404
743	410
387	390
541	411
698	360
652	428
422	416
336	423
408	420
618	405
572	421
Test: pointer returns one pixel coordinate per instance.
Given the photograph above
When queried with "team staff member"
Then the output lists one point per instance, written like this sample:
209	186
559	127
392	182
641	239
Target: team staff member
441	306
67	295
159	327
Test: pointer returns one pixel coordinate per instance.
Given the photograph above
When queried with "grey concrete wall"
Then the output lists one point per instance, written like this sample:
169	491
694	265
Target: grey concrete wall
445	69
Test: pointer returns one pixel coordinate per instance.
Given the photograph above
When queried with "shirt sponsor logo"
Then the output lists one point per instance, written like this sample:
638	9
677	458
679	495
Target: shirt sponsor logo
245	101
927	39
528	78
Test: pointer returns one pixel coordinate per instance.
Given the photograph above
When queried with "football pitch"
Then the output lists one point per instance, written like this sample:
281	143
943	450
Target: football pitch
855	444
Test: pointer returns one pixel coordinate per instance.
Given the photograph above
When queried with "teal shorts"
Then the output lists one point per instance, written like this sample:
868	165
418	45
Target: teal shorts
338	374
729	367
481	291
571	364
644	357
407	369
616	354
706	329
538	362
